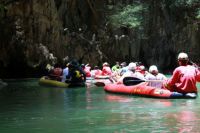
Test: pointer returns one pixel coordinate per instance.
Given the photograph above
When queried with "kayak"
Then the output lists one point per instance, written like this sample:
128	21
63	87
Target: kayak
49	82
142	89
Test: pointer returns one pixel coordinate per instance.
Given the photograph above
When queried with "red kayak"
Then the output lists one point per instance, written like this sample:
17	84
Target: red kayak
143	89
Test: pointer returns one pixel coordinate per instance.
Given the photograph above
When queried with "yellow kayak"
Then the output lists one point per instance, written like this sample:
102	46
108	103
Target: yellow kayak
53	83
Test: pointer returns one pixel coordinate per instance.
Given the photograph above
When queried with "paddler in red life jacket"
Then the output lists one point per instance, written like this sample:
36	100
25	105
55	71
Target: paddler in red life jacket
106	70
96	71
87	69
141	69
184	77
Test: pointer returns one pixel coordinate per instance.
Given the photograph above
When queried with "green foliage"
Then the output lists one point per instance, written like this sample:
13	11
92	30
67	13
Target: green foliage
185	2
129	16
190	7
198	14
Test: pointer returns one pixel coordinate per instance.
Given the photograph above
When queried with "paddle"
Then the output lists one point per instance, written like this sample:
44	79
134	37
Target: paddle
193	64
99	84
128	81
132	81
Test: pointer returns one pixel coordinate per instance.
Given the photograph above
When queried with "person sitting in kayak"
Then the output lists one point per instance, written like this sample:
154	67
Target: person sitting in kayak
184	77
123	69
65	72
56	73
155	75
87	69
76	74
95	72
116	67
106	70
130	73
140	68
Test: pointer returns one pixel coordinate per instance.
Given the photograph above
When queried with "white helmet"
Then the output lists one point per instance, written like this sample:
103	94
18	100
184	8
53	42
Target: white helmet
182	56
153	68
131	66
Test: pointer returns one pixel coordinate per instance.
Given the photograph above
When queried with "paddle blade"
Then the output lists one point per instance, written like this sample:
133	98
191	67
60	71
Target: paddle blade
128	81
99	84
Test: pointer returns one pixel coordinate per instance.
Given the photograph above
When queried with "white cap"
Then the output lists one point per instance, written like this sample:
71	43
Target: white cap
153	68
105	64
131	66
182	56
142	67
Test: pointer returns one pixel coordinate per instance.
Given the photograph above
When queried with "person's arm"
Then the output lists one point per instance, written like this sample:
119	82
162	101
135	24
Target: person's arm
198	75
173	80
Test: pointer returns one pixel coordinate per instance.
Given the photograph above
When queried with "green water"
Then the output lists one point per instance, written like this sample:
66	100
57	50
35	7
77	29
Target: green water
26	107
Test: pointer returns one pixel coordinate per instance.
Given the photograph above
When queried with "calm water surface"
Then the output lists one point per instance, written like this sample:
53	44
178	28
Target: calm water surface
26	107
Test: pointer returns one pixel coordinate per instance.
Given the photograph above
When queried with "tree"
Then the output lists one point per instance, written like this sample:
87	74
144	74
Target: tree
129	16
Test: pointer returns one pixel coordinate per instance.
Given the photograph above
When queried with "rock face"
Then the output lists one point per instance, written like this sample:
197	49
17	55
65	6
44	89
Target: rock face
32	32
28	25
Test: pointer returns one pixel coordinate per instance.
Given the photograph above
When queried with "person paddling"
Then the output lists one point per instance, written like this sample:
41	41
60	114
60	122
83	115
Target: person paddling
130	73
184	77
106	70
154	75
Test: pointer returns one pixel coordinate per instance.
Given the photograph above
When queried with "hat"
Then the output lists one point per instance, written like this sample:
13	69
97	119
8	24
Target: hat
87	65
153	68
123	64
142	67
131	66
182	56
105	64
96	67
83	65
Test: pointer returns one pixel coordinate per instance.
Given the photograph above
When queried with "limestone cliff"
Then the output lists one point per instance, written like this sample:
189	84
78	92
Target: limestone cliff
32	32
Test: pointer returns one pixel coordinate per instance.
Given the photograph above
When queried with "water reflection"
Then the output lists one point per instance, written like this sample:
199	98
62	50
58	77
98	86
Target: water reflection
28	107
185	119
117	98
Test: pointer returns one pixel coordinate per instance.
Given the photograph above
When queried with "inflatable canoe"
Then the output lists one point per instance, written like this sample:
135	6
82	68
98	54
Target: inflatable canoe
143	89
48	82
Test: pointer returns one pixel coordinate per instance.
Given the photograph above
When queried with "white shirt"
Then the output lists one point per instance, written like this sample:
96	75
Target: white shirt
158	77
65	73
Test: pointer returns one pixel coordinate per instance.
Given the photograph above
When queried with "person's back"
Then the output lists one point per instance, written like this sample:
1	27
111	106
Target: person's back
116	67
184	77
56	73
155	81
75	76
96	71
65	74
155	78
130	73
87	70
106	70
123	69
